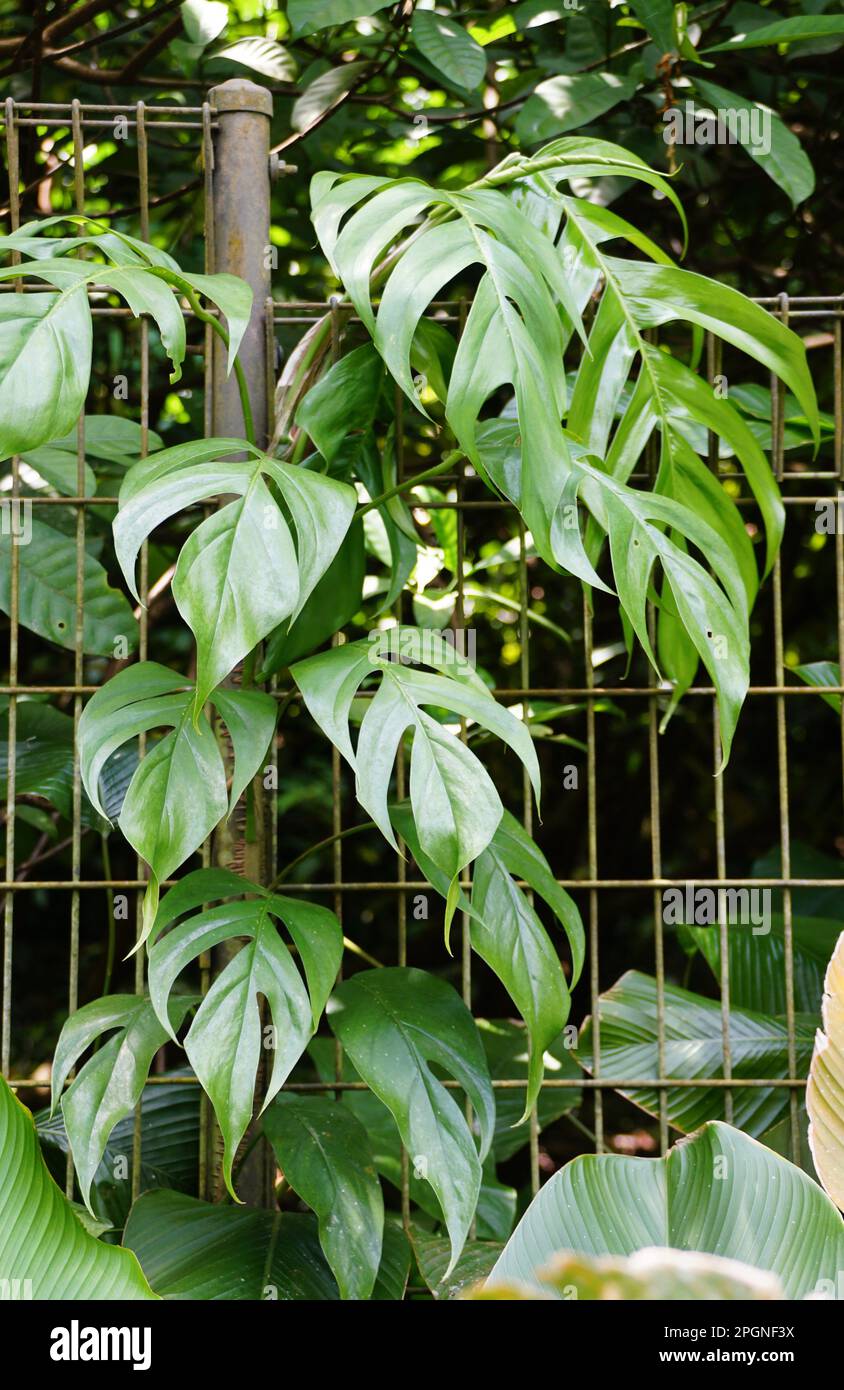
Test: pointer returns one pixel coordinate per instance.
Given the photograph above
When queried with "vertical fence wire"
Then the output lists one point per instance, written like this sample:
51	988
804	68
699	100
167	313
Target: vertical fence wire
406	882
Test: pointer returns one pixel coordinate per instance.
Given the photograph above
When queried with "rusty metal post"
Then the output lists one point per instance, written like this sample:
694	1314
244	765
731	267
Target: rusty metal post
240	237
241	205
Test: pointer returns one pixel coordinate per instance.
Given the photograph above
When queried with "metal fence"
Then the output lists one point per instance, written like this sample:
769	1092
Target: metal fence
804	483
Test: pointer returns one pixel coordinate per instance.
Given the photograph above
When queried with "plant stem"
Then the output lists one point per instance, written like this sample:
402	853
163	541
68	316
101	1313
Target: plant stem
222	332
442	467
321	844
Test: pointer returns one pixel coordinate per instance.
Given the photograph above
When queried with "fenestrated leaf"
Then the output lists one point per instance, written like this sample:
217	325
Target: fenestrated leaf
45	337
47	590
455	806
757	972
224	1042
694	1051
825	1091
109	1085
507	933
41	1238
763	1211
238	574
197	1250
324	1154
447	46
782	158
393	1023
178	792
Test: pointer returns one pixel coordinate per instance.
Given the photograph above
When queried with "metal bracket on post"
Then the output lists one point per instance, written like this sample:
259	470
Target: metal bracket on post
241	213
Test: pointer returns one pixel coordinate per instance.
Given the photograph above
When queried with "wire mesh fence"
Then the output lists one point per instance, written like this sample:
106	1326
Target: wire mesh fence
807	483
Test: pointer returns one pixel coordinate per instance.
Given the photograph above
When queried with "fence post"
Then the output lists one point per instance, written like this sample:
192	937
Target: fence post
240	239
241	211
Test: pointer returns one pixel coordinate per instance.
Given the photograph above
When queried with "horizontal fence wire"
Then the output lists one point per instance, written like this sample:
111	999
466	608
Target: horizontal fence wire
281	318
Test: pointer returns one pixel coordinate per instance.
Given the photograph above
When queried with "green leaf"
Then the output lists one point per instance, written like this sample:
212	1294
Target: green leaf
825	1091
694	1050
785	161
333	603
225	1039
820	674
47	600
260	54
322	93
508	1054
43	754
609	1205
309	16
566	102
41	1238
658	18
393	1023
506	932
238	575
757	972
324	1154
178	792
343	400
449	48
801	27
455	806
195	1250
110	1084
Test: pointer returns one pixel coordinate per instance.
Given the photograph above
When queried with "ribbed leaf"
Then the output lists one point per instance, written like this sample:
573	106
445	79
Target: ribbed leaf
41	1238
324	1154
719	1192
394	1023
693	1051
178	792
825	1092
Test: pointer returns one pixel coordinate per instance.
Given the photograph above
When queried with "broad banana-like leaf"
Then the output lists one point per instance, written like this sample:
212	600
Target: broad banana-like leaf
238	574
433	1254
45	1251
224	1041
45	337
757	972
47	600
718	1192
178	792
455	805
323	1152
110	1084
534	285
693	1051
825	1091
393	1023
197	1250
